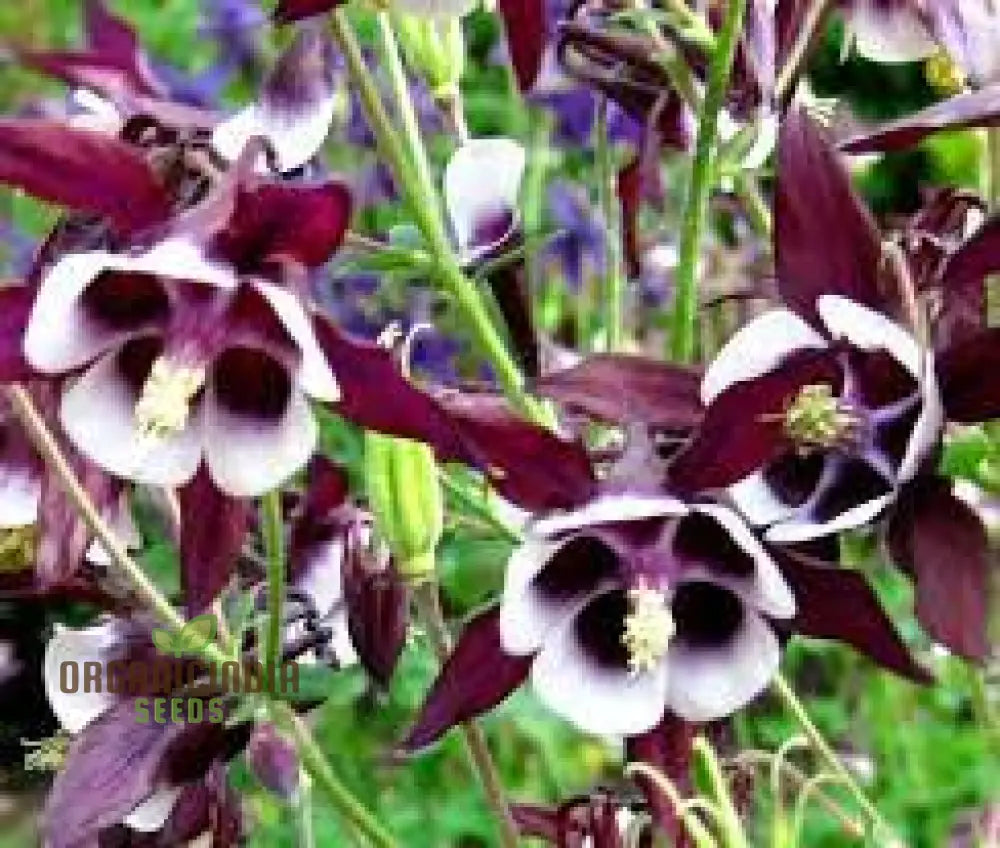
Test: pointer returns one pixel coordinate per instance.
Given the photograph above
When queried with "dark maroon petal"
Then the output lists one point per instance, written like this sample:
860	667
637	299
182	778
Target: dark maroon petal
942	543
622	389
667	748
112	766
327	487
213	528
837	603
295	10
81	170
526	463
509	285
477	676
15	307
525	25
284	221
966	371
970	109
825	239
535	820
378	612
742	428
963	283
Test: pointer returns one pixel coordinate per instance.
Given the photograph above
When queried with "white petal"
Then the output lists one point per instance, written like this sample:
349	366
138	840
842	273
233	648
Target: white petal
322	576
315	375
436	8
927	430
756	349
482	178
706	683
797	530
888	35
757	502
295	136
124	529
76	646
152	814
869	330
610	508
766	590
98	415
59	335
20	492
599	701
248	456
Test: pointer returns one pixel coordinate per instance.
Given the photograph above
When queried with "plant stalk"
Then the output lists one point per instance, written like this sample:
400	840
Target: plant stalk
790	71
614	275
683	335
273	530
428	603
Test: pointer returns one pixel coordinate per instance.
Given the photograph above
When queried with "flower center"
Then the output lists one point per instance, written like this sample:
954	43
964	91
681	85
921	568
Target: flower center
943	74
649	627
816	418
165	403
17	548
47	754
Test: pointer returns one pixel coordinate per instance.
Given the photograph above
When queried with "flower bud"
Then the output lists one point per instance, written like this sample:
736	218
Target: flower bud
405	498
433	47
273	761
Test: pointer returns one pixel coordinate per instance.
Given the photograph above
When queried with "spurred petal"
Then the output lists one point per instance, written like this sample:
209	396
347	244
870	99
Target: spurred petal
743	429
213	527
970	109
15	307
963	283
295	10
477	676
970	391
825	239
943	544
526	28
837	603
82	170
620	389
527	464
296	106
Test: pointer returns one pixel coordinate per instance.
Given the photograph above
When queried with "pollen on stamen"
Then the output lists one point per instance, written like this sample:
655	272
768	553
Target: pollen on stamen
649	627
165	403
47	754
817	418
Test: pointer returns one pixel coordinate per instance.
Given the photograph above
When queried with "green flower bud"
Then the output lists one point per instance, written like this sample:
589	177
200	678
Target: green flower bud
405	497
434	48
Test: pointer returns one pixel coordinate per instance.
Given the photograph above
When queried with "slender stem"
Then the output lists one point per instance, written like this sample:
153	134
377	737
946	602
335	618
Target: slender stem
757	209
696	210
691	23
791	701
304	812
423	202
273	528
700	835
425	596
314	761
614	275
43	440
730	826
993	197
792	68
479	506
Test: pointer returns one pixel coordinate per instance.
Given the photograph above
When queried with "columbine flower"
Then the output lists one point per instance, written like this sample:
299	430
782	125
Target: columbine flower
601	819
189	349
633	605
887	30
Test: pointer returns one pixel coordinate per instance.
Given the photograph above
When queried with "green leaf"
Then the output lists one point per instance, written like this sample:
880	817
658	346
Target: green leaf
164	640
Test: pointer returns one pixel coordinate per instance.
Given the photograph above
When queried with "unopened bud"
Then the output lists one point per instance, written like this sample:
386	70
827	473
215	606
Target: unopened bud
273	761
405	498
434	47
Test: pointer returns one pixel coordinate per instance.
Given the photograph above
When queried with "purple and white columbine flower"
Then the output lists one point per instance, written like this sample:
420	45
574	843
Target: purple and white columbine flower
184	357
842	418
634	605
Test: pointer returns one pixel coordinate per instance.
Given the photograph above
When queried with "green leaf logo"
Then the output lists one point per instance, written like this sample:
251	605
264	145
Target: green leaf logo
191	639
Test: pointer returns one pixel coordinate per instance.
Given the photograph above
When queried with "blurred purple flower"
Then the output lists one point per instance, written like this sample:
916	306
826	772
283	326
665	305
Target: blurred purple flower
579	240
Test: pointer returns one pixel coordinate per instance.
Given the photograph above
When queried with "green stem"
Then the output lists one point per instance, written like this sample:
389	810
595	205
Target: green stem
314	761
614	280
696	210
273	529
790	71
791	701
428	603
423	203
304	811
730	826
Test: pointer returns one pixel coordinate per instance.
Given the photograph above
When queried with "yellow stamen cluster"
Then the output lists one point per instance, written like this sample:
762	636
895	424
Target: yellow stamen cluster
944	74
46	754
816	418
165	403
17	548
649	627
